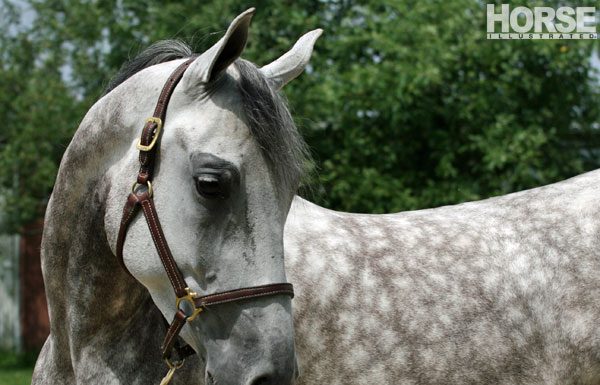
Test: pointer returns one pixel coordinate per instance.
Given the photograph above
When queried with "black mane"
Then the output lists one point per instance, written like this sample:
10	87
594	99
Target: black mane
159	52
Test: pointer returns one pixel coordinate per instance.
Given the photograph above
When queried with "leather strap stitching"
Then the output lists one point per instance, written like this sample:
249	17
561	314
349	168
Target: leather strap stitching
173	331
131	207
283	287
237	298
166	257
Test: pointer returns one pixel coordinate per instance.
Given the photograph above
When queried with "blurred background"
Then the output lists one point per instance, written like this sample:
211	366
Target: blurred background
405	105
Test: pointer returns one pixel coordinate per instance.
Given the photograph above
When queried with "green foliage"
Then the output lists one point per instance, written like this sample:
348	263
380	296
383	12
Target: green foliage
405	104
16	369
16	376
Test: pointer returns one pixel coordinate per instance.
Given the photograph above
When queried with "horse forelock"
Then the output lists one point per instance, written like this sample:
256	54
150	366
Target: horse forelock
272	125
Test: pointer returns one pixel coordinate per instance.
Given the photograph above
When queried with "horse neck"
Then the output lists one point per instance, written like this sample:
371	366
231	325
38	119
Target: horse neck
90	298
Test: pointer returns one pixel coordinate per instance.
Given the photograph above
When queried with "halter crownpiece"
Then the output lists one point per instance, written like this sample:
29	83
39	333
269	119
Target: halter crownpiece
188	305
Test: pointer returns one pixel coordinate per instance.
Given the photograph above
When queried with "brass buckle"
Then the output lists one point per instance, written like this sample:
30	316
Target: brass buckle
136	185
149	147
192	311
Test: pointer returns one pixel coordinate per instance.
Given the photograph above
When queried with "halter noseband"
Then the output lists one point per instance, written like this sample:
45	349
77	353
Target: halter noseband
188	304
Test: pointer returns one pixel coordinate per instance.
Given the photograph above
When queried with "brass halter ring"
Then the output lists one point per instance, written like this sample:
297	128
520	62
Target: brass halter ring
137	184
187	305
173	366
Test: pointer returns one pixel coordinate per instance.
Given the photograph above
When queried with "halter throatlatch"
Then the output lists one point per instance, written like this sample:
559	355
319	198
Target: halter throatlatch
188	305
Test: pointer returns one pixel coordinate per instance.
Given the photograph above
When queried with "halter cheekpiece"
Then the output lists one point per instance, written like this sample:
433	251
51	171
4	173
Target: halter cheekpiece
188	304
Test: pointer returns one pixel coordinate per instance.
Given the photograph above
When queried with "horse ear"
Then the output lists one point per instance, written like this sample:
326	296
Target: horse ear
292	63
208	66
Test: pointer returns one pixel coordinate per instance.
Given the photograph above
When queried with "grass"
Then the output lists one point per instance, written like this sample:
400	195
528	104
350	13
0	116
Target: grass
16	369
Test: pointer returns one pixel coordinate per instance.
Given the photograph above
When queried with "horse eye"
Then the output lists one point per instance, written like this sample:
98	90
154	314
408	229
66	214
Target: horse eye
211	186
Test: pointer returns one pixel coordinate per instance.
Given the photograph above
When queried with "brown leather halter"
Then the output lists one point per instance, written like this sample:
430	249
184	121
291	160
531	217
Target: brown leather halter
188	304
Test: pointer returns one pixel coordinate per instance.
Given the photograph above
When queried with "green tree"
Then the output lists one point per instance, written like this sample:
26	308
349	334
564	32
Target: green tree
405	104
38	112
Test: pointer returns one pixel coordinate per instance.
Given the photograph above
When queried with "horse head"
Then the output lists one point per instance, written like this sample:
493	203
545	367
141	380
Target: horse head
229	164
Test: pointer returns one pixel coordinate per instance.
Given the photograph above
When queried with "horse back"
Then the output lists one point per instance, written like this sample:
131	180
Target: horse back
504	290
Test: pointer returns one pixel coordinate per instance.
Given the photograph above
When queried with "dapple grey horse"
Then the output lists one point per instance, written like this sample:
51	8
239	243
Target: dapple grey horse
501	291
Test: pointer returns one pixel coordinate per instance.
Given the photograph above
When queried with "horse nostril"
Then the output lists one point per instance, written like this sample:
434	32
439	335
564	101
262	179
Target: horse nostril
210	380
263	380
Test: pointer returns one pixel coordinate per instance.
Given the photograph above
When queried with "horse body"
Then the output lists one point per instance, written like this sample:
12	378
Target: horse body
503	291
